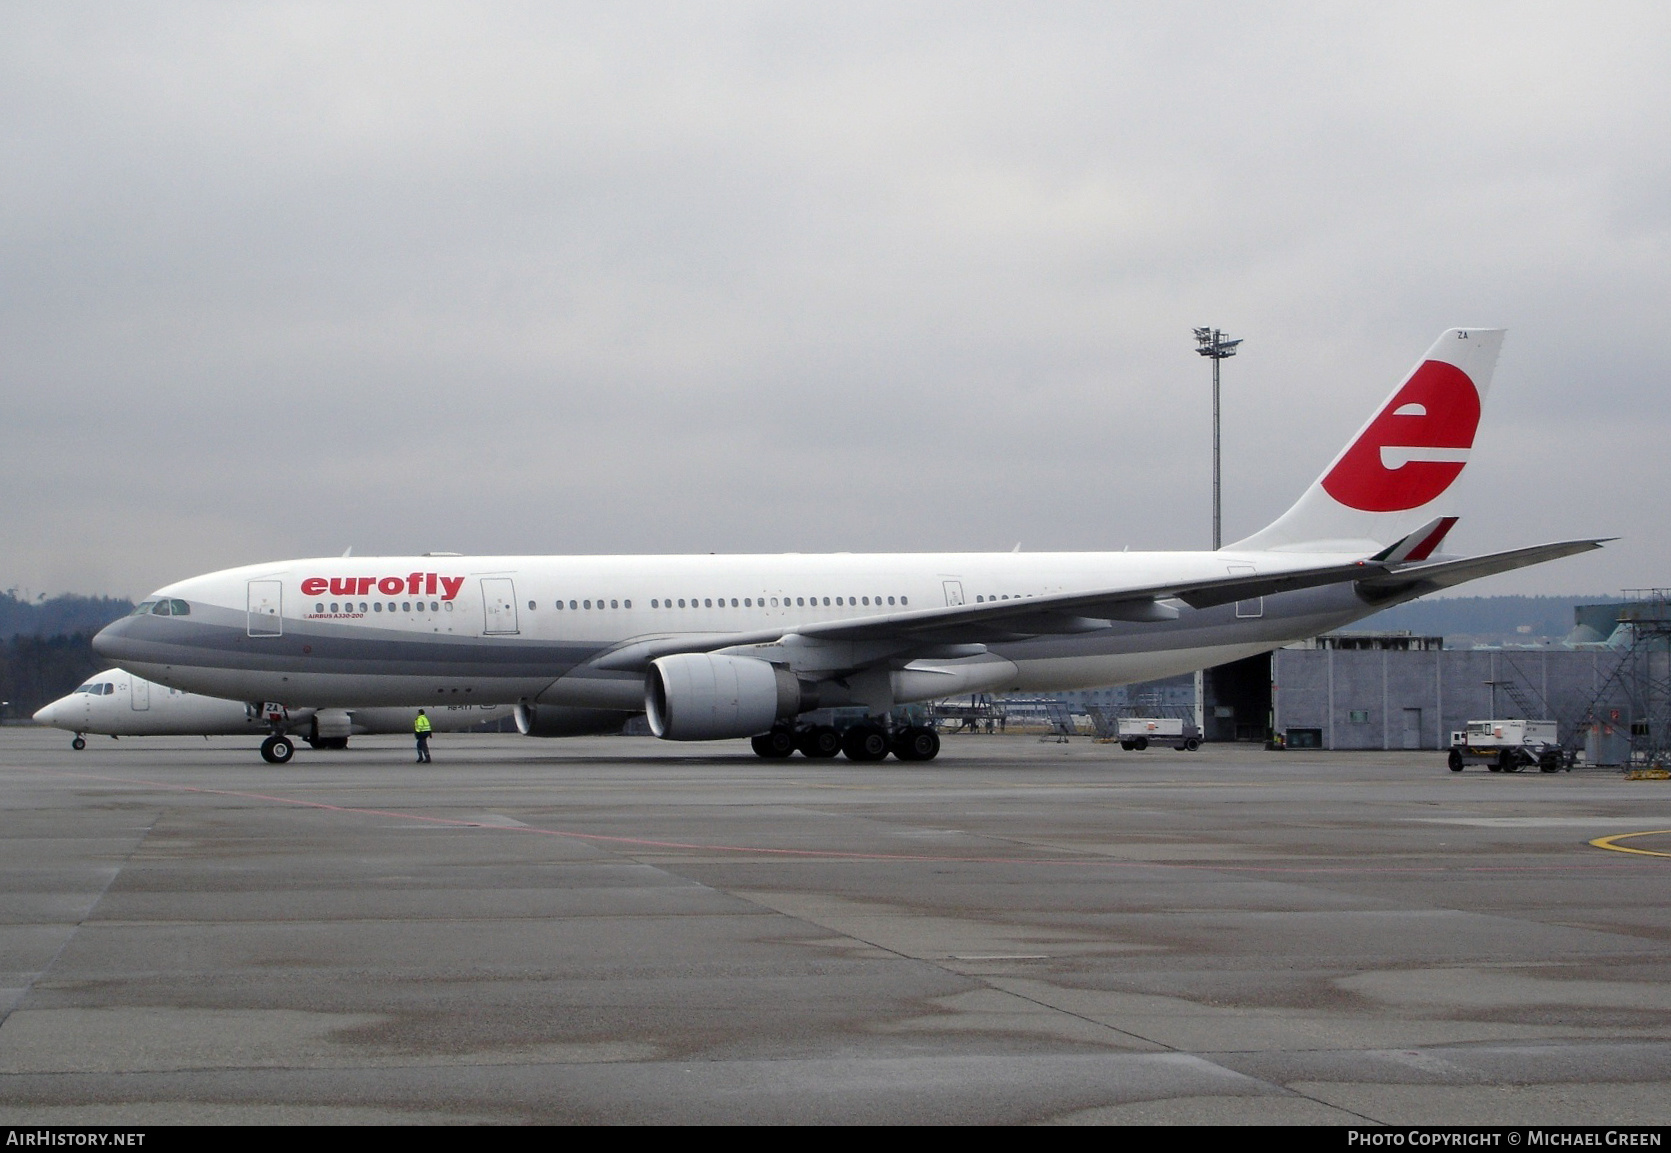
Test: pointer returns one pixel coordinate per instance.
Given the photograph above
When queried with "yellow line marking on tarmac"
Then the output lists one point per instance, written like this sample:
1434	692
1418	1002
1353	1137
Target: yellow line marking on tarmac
1608	842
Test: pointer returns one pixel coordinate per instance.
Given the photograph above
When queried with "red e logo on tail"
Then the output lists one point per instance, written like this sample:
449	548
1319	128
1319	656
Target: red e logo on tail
1415	446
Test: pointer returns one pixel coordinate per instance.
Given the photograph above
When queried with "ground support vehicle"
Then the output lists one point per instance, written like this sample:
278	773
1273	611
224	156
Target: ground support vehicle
1137	733
1507	746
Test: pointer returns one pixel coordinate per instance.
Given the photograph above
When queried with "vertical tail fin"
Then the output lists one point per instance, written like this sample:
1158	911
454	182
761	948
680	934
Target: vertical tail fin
1392	477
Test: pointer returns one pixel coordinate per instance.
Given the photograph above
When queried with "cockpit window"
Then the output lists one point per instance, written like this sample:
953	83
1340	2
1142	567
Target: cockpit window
181	608
90	688
142	608
160	609
106	689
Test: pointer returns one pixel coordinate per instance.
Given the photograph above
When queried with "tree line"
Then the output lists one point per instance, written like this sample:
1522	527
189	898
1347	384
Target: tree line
48	649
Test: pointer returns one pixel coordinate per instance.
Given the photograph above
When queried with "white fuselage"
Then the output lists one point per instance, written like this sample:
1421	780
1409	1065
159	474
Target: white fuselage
116	703
355	632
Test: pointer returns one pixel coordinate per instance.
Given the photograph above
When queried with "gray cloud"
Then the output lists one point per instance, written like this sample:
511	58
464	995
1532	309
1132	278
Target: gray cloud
659	278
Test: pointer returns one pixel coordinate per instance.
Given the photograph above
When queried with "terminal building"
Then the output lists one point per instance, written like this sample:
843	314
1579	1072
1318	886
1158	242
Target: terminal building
1367	692
1609	679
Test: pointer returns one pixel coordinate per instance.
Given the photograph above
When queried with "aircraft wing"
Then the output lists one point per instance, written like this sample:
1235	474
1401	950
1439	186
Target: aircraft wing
924	630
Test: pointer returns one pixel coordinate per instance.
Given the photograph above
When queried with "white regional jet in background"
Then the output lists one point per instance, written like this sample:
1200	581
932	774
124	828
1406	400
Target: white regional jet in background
118	704
742	646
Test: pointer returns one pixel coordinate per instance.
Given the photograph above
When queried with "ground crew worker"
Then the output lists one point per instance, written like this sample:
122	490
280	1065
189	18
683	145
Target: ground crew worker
420	729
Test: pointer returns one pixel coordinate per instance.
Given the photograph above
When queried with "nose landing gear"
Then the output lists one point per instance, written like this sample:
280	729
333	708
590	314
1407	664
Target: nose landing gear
79	743
277	750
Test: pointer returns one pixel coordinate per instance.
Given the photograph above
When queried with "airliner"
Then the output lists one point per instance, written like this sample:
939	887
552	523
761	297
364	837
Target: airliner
715	647
116	703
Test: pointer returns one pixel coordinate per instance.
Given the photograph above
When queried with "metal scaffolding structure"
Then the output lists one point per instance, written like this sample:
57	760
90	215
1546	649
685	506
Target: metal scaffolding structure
1634	702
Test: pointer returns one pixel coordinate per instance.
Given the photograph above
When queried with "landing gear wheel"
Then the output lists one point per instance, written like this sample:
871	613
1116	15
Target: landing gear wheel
1455	761
277	750
819	742
775	744
1140	743
79	743
916	744
864	743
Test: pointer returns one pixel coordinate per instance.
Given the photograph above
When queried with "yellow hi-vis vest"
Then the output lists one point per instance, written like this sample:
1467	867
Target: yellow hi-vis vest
421	725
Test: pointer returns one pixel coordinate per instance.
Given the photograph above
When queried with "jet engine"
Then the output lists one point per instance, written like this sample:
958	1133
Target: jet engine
566	721
706	697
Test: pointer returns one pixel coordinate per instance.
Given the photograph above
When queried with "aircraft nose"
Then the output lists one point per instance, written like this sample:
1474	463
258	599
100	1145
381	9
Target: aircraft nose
108	641
47	714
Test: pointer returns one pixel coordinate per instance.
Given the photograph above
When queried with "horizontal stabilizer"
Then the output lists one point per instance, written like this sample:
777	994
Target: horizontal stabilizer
1425	578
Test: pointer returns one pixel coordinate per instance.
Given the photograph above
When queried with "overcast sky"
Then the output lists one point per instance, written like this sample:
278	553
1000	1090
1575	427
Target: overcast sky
278	280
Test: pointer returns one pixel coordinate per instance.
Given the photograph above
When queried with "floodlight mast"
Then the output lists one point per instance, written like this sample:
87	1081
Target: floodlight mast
1210	342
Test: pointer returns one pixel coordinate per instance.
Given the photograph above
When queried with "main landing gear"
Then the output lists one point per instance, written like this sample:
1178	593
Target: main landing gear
862	742
277	750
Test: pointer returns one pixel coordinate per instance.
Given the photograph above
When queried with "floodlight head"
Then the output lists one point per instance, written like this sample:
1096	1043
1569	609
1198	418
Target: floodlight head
1211	342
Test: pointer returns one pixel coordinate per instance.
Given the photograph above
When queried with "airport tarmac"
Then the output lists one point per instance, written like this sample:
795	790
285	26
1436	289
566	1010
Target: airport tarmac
625	930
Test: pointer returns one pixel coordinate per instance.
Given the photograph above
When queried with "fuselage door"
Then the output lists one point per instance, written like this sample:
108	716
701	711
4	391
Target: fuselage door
1254	607
498	606
139	696
954	593
266	618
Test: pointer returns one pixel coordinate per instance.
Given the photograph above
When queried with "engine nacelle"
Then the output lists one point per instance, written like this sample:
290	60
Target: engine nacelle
708	697
567	721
